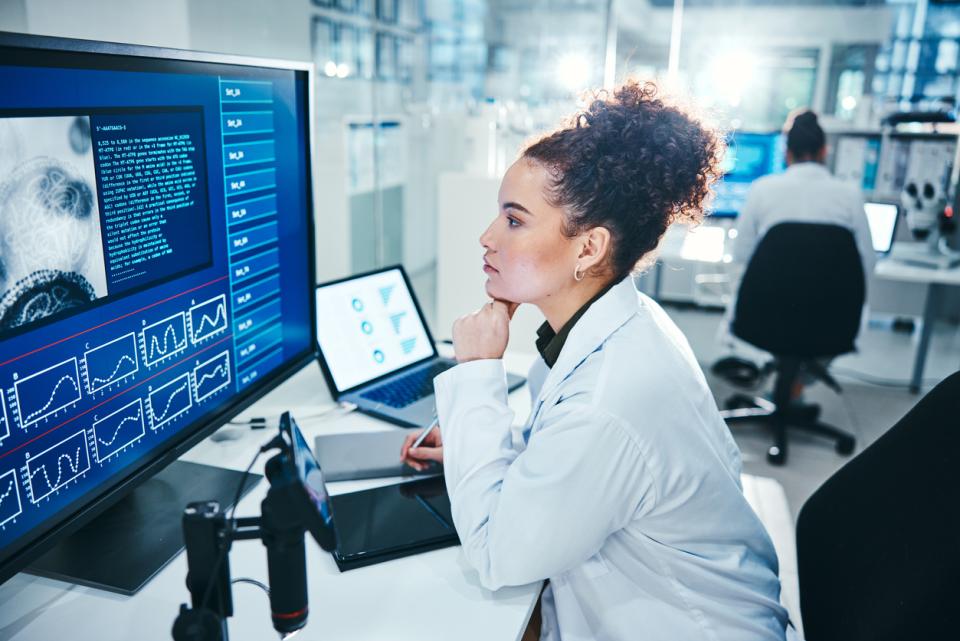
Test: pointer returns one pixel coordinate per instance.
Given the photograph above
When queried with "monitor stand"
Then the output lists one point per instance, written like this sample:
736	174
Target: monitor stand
124	547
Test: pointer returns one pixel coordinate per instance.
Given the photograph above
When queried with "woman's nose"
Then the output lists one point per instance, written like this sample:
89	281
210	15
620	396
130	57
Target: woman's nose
486	238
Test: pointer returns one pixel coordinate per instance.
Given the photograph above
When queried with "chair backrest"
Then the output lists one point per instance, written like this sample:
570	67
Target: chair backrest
878	545
802	292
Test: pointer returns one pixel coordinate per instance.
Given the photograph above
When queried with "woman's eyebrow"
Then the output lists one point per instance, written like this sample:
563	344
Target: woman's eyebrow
517	206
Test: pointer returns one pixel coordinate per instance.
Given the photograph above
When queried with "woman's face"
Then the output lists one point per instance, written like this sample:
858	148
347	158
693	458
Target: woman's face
527	258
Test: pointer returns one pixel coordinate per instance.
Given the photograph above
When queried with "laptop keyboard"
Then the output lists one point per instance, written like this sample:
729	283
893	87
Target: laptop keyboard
407	389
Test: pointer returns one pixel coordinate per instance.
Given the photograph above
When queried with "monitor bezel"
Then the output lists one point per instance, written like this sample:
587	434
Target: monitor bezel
14	560
322	359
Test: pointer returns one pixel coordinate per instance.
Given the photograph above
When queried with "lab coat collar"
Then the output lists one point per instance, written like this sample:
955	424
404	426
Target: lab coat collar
602	319
807	167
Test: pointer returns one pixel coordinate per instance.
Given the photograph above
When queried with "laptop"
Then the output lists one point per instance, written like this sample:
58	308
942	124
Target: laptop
882	219
375	349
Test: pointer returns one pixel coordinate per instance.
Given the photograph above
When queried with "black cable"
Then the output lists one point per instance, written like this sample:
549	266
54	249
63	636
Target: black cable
224	543
243	479
260	422
257	422
244	579
847	405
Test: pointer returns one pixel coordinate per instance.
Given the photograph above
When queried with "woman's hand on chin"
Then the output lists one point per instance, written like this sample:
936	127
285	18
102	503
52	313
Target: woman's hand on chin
484	333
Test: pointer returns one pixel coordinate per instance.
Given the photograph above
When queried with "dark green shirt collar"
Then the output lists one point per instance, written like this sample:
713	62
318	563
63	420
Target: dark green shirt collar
550	343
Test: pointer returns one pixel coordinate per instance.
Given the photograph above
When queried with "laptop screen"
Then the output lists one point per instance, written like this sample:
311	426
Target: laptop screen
882	218
369	326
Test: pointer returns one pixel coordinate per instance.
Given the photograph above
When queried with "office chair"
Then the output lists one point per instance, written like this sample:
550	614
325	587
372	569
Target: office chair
800	299
877	545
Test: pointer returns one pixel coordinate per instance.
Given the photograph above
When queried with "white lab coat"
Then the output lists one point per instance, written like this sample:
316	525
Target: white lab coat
805	193
623	488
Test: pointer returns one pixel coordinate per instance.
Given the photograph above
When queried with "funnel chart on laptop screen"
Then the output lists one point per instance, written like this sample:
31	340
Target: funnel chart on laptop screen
369	327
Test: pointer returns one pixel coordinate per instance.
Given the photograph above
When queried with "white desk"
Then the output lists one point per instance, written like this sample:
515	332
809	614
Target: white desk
429	596
707	246
694	265
435	595
937	280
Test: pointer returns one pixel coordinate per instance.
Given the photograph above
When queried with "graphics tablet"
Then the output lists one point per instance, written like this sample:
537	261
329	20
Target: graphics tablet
391	522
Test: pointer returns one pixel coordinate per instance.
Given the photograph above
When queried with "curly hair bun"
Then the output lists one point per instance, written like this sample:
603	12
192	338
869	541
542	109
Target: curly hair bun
631	162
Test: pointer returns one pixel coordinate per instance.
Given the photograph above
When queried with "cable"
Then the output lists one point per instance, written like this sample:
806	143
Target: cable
243	479
261	422
852	417
224	544
257	422
260	585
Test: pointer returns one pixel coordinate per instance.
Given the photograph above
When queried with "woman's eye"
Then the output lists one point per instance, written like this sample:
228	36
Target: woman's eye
512	222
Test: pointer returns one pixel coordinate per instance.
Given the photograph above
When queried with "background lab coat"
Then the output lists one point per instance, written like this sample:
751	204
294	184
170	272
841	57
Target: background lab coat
805	193
623	488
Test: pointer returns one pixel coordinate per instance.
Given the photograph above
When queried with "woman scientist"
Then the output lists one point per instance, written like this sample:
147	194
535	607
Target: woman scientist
623	488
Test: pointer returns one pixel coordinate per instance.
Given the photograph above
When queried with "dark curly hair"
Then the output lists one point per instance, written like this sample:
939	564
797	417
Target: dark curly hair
633	163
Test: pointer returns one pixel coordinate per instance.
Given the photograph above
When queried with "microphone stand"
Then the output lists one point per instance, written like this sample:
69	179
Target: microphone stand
209	534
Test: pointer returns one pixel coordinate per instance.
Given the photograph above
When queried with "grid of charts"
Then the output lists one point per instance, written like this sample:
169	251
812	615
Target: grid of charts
137	383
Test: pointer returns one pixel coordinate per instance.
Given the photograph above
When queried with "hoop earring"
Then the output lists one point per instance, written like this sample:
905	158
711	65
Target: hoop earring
577	276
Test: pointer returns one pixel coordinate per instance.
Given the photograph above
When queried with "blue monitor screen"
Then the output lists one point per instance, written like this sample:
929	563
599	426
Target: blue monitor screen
155	264
749	156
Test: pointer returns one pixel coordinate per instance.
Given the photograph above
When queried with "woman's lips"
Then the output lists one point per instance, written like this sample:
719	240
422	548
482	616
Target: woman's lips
488	269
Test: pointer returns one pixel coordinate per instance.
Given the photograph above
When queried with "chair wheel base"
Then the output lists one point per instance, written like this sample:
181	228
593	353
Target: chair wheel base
807	413
776	456
845	445
738	402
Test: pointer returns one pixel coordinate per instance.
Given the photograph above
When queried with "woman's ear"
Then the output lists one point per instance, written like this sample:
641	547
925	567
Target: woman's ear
595	247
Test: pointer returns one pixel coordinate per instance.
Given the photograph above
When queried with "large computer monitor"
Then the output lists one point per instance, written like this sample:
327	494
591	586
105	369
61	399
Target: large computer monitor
156	267
749	156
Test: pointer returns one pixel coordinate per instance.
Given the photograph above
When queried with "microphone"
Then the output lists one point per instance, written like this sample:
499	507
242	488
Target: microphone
287	567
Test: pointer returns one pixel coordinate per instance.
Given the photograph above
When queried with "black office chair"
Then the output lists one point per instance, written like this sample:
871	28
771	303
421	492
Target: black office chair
877	544
800	299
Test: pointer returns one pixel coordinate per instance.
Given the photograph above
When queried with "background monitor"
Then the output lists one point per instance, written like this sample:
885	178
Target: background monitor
749	156
882	218
156	265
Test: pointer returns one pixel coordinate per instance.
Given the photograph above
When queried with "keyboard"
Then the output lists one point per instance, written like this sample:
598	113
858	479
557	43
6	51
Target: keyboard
407	389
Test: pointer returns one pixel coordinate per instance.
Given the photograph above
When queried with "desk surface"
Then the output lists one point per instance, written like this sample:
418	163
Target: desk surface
435	595
895	270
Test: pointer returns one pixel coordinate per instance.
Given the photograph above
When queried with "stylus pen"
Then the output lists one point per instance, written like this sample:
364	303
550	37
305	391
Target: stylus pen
424	433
